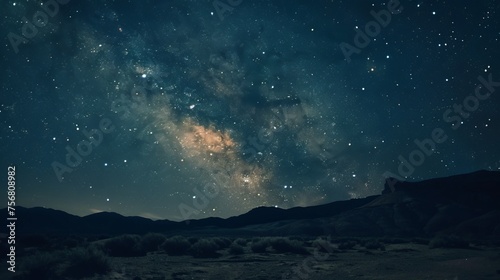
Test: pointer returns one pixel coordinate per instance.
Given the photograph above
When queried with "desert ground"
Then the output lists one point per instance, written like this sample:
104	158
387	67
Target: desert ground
420	263
257	258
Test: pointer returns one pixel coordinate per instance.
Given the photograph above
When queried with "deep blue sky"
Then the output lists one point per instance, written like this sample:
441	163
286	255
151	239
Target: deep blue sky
212	113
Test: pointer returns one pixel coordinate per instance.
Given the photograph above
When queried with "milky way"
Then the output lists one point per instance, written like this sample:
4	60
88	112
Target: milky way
217	112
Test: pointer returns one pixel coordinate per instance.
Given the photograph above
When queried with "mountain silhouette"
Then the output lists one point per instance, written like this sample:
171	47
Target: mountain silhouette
465	205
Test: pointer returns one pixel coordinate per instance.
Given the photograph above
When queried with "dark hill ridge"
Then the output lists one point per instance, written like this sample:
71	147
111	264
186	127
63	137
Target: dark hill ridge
262	215
486	181
473	189
464	204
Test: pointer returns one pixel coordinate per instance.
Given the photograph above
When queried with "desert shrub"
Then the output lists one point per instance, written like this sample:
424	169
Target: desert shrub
176	245
260	246
204	248
256	239
40	266
448	242
193	240
374	245
86	262
241	241
152	241
236	249
298	238
97	246
347	245
222	242
124	246
285	245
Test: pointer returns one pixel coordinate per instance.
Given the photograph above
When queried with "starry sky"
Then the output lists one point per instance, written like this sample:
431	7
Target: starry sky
190	109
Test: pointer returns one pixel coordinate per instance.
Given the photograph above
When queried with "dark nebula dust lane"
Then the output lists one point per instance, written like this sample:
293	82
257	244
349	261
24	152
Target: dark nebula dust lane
191	109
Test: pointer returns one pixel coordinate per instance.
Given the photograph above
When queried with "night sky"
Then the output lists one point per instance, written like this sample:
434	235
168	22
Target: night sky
190	109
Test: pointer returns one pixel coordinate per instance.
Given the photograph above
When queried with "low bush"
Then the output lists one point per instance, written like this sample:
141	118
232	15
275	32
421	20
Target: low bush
40	266
193	240
285	245
260	245
86	262
298	238
222	242
152	241
124	246
204	248
241	241
236	249
176	245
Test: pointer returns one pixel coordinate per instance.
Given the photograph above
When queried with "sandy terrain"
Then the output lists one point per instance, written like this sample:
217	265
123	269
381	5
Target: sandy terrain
399	261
